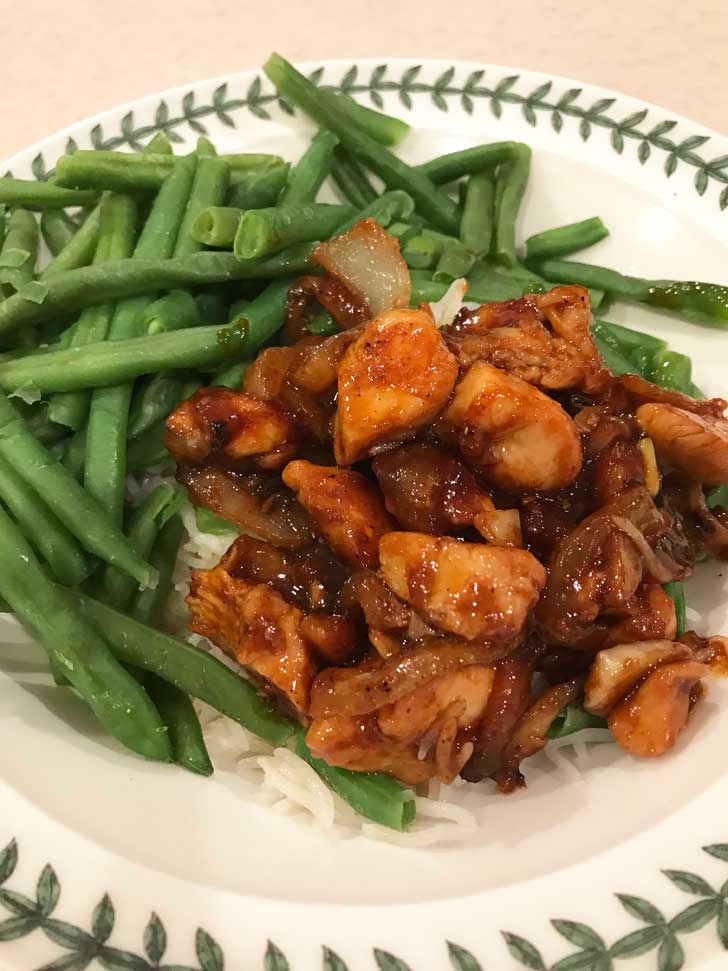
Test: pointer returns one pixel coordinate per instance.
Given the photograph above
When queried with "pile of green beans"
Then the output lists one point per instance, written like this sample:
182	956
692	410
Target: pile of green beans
168	275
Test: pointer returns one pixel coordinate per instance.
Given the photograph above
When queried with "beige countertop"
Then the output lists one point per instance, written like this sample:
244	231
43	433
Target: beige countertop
61	64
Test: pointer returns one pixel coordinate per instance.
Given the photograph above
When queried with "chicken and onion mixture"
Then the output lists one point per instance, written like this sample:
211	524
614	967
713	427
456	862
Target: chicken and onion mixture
449	534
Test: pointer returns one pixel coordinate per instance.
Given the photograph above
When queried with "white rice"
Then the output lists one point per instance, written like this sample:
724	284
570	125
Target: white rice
279	779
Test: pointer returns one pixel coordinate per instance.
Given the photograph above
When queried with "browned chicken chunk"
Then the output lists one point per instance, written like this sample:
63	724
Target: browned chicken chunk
697	445
345	506
395	378
469	589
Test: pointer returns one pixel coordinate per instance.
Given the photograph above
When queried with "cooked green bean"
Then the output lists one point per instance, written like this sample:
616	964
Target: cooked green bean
154	401
159	144
111	363
176	310
382	128
259	189
43	195
323	324
389	207
147	451
217	225
130	172
396	174
72	291
468	161
79	251
73	506
351	179
105	465
374	795
232	377
48	536
511	182
117	588
189	668
261	232
148	605
213	305
476	224
673	371
564	240
208	521
205	148
700	303
454	263
208	189
612	353
420	252
183	726
77	649
74	453
57	229
19	251
676	592
446	254
309	173
628	338
117	231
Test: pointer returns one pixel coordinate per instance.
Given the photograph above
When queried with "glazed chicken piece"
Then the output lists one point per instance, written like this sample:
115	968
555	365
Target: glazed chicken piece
394	379
695	444
254	624
389	621
429	490
521	439
647	616
702	528
346	507
544	340
646	691
597	569
218	421
468	589
412	716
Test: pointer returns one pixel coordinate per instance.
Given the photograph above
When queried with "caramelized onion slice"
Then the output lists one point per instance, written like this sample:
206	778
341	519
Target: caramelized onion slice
367	261
358	691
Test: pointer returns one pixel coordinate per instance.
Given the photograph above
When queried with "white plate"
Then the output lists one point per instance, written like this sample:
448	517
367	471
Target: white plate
91	820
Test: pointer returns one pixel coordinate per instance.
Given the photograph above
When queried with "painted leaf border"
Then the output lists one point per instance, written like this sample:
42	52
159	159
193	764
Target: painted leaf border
259	99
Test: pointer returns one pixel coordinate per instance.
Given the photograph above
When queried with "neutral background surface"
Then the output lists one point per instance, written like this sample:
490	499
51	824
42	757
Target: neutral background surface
61	63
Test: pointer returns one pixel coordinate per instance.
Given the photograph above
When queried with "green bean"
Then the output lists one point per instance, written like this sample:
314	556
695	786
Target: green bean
148	605
511	182
111	363
117	588
700	303
404	232
117	230
308	174
36	418
78	511
476	224
447	254
264	231
159	144
77	649
43	195
19	251
628	338
454	263
374	795
259	189
183	726
130	172
323	325
176	310
435	205
208	189
57	229
72	291
105	466
676	592
209	522
147	451
389	207
612	354
673	371
155	400
351	180
205	148
53	542
564	240
421	252
3	222
468	161
572	719
189	668
217	225
74	453
232	377
382	128
79	251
